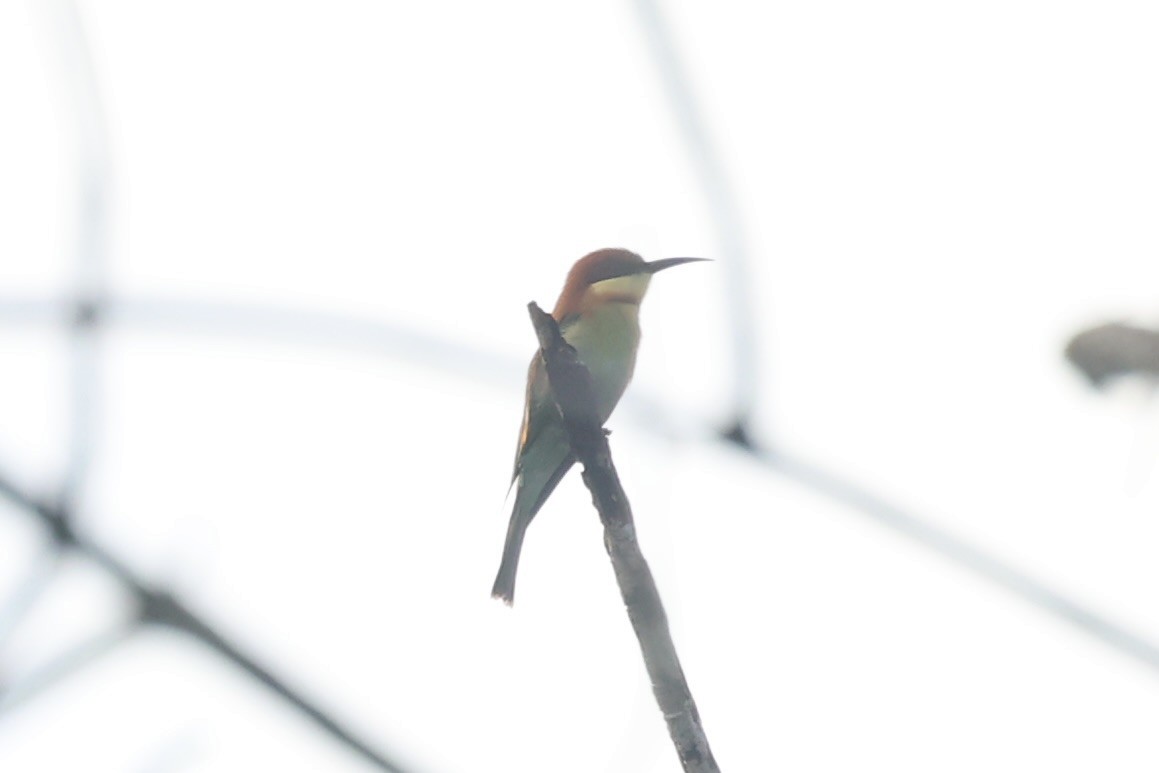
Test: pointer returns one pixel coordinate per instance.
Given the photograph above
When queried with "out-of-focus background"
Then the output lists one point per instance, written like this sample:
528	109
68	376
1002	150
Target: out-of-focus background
263	276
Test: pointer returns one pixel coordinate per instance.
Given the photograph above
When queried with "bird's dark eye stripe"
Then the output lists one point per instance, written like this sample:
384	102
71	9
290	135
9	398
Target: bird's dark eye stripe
612	269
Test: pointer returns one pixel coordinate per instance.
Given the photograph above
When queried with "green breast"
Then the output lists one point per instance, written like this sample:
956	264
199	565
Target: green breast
606	341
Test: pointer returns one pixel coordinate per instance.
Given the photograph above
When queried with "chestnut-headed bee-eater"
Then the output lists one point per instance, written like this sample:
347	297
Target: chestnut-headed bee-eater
598	314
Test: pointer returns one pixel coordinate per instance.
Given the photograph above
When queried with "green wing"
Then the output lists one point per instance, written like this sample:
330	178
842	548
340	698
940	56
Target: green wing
539	410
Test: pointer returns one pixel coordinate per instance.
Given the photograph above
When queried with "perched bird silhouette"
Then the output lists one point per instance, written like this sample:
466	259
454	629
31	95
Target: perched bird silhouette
598	314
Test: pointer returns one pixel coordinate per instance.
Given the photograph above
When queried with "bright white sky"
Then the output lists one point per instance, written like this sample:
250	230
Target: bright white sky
935	196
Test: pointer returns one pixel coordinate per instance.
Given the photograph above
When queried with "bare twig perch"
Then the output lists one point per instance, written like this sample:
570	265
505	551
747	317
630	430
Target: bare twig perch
571	385
1114	350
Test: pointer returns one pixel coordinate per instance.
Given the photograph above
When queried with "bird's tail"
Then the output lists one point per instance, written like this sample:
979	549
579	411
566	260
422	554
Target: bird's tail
552	459
504	587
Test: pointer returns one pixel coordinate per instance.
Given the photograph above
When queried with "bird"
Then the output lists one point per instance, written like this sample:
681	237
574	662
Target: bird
598	314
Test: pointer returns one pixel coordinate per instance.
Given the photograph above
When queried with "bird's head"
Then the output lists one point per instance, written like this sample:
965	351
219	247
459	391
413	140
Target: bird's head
609	276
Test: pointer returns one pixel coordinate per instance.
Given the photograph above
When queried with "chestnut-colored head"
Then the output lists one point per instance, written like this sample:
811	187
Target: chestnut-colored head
609	275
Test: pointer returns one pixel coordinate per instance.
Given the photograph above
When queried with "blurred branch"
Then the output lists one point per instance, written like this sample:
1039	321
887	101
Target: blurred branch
383	339
156	605
379	338
20	691
571	385
27	592
1114	349
956	550
81	102
267	322
723	209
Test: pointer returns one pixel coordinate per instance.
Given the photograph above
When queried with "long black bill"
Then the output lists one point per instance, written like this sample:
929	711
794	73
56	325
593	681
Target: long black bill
660	265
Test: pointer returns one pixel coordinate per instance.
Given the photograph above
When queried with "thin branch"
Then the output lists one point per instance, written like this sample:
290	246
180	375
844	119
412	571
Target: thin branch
571	385
160	607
